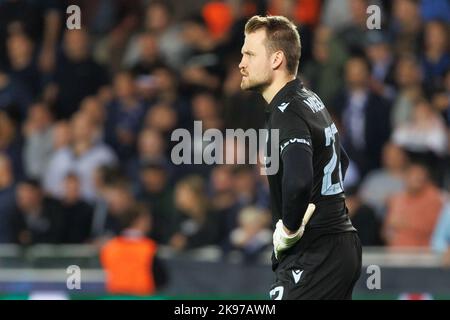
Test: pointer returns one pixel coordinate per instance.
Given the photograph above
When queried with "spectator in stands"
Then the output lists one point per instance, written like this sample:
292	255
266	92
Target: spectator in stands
119	199
405	26
224	198
218	17
163	118
197	225
77	75
413	213
352	176
440	241
438	9
15	17
151	148
363	115
61	135
7	198
381	57
130	259
36	218
148	55
323	73
364	218
112	23
100	17
124	116
202	68
221	186
38	144
353	34
379	185
159	19
336	14
252	235
14	96
40	20
11	143
408	78
23	67
104	176
168	89
76	213
426	132
206	108
436	56
244	185
441	99
158	195
247	191
82	157
93	107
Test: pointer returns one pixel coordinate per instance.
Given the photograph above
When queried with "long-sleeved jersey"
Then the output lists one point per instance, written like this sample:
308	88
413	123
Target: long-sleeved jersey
312	163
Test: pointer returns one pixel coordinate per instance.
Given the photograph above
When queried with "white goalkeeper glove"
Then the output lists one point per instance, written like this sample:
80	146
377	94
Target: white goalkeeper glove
283	241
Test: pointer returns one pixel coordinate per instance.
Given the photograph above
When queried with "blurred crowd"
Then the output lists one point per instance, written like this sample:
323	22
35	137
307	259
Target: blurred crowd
86	118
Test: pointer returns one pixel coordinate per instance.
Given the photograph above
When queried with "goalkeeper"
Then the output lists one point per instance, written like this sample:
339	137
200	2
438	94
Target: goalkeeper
317	252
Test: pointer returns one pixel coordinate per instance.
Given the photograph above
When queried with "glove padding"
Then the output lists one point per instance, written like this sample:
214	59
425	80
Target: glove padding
282	241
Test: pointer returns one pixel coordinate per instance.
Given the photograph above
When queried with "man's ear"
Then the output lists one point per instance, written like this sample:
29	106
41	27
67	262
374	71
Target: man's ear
277	59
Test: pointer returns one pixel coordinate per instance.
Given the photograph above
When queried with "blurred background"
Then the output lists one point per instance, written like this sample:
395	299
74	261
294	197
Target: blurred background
86	118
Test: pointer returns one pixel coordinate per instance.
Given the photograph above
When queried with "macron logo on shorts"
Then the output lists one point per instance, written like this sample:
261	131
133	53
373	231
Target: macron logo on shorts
297	274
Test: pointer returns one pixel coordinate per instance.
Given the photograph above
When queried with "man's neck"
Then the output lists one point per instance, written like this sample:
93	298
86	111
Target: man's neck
270	92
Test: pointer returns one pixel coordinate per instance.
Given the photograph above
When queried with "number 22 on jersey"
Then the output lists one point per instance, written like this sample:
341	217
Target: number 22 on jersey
328	187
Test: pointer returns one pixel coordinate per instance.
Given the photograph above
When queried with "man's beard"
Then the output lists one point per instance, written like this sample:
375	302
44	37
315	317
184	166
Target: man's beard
254	85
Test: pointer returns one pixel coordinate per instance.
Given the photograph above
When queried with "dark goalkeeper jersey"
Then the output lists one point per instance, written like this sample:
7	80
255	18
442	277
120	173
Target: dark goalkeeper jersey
305	127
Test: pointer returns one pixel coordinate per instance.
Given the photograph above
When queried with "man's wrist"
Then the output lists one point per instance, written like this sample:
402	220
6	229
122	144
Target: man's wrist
288	231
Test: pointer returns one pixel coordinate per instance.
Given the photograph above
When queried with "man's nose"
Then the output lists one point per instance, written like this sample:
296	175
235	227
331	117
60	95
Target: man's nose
241	64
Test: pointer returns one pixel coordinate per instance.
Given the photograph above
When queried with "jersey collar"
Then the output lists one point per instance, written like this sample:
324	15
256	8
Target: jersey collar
286	92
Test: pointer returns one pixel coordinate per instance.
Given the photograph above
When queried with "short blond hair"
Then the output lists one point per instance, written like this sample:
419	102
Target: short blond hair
282	34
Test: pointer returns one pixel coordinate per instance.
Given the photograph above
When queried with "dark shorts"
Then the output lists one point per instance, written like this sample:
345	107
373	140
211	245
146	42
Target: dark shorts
327	269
